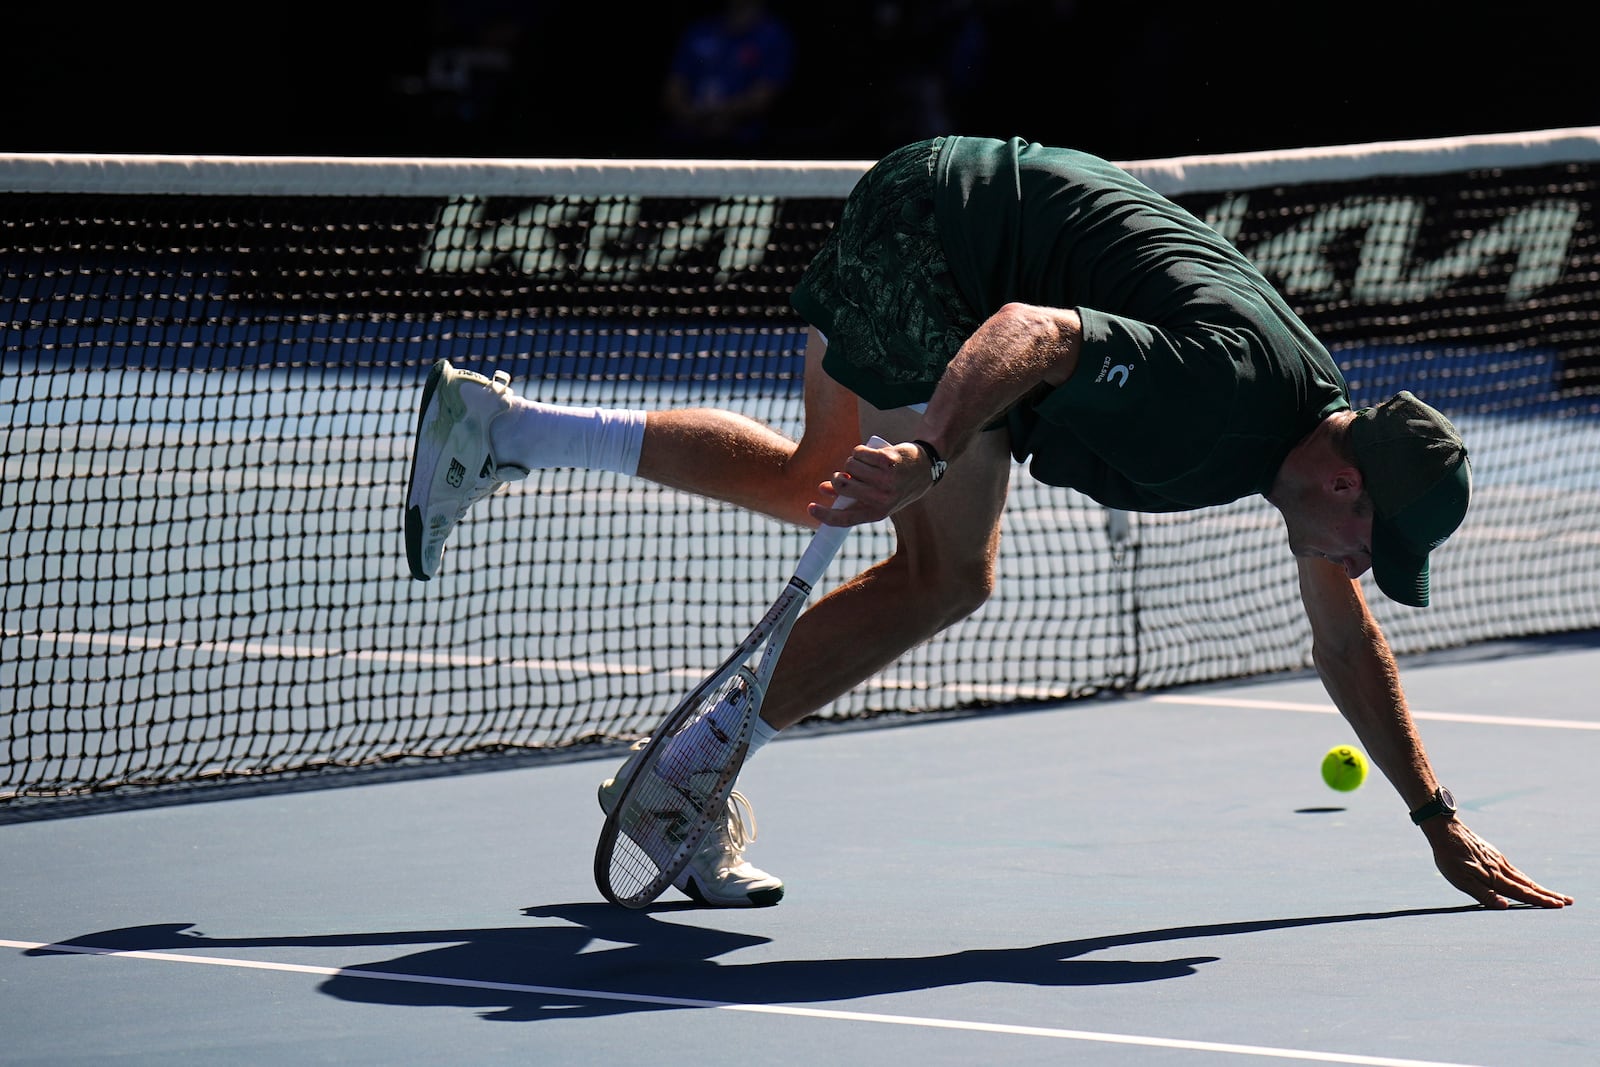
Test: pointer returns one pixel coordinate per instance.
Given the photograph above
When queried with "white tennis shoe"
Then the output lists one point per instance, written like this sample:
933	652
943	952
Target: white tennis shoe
717	875
452	466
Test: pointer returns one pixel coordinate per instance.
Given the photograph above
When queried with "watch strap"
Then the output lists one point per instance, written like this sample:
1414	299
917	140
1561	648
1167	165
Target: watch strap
1441	803
935	461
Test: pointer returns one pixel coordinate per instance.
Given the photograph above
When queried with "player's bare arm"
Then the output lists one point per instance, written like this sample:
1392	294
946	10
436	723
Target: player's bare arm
1357	667
1020	348
1355	664
1017	349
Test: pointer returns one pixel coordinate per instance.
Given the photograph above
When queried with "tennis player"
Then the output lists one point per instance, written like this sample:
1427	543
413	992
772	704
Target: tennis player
983	302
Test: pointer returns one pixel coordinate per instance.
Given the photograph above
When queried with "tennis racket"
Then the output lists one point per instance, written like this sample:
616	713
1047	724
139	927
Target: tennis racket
677	786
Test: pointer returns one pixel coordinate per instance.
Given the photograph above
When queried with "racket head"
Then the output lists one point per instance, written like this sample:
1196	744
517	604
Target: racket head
676	793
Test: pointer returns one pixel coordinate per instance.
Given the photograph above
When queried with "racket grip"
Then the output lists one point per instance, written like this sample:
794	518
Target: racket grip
826	541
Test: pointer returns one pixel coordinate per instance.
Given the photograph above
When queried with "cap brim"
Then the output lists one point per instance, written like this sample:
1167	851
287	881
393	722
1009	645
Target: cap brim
1399	572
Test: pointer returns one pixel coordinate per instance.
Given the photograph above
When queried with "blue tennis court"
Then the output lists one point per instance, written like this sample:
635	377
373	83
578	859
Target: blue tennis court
1161	878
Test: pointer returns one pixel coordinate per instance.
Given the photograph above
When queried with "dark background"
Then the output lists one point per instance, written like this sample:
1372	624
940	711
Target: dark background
1126	79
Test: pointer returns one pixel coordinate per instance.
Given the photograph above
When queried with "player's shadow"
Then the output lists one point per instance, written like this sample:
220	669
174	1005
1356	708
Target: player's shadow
602	960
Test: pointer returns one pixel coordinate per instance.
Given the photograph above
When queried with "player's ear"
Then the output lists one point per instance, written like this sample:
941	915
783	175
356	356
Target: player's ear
1345	482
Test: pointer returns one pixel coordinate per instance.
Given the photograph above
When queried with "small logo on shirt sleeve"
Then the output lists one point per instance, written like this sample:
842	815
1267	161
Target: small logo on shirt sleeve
1117	373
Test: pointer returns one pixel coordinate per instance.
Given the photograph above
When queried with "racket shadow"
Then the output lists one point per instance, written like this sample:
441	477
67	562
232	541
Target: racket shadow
599	948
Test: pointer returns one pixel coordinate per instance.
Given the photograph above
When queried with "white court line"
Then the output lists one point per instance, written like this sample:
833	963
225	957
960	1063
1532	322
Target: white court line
759	1009
972	690
273	650
1328	709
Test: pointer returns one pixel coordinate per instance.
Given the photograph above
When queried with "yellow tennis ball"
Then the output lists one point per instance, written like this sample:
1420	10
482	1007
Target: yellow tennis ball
1344	768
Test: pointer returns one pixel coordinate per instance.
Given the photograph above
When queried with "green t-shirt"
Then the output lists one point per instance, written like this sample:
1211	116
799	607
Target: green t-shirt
1195	378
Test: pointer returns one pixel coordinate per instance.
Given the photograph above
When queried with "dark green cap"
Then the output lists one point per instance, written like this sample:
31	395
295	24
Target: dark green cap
1416	472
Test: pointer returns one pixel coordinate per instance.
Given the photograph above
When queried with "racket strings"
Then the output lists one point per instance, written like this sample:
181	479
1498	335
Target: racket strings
685	792
699	756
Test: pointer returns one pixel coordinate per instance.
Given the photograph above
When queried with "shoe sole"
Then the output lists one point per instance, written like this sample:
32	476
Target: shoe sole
413	512
760	898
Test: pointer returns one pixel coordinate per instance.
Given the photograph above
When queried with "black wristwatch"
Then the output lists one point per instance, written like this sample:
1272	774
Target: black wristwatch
934	460
1441	803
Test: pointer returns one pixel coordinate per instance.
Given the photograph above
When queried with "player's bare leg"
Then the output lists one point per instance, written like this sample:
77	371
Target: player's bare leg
946	542
475	434
941	571
729	457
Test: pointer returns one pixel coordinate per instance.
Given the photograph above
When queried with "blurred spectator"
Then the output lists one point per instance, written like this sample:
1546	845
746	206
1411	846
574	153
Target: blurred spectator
728	72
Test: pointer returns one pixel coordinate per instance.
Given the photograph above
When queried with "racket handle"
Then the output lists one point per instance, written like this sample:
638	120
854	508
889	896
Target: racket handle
826	541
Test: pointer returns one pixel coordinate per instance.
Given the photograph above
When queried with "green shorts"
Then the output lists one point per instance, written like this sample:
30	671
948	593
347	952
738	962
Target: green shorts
880	289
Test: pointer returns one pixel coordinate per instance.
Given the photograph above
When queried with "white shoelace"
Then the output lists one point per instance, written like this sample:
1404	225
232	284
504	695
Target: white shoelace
735	833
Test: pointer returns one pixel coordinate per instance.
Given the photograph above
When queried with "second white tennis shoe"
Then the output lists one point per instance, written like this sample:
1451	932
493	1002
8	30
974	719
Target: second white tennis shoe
717	875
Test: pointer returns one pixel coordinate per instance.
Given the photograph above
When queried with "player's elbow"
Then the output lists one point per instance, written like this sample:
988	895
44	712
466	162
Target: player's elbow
1325	662
1353	650
1043	341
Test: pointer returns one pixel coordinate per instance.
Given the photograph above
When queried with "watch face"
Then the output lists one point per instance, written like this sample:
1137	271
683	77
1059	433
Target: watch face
1447	799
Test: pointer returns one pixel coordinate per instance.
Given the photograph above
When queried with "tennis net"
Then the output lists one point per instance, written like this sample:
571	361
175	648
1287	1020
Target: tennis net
210	369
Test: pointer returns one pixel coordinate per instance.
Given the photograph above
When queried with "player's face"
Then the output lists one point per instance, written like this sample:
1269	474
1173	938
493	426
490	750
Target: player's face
1341	535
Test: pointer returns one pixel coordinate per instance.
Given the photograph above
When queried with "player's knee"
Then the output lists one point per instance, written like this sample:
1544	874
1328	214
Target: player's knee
967	591
947	587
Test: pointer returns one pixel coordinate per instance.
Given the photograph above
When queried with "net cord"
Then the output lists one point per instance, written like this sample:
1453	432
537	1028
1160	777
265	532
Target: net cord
366	176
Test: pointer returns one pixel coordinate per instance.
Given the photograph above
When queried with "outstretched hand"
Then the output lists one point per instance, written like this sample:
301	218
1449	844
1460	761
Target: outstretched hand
881	481
1479	870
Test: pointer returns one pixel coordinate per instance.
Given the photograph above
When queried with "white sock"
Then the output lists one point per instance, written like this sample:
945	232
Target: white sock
536	435
760	734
